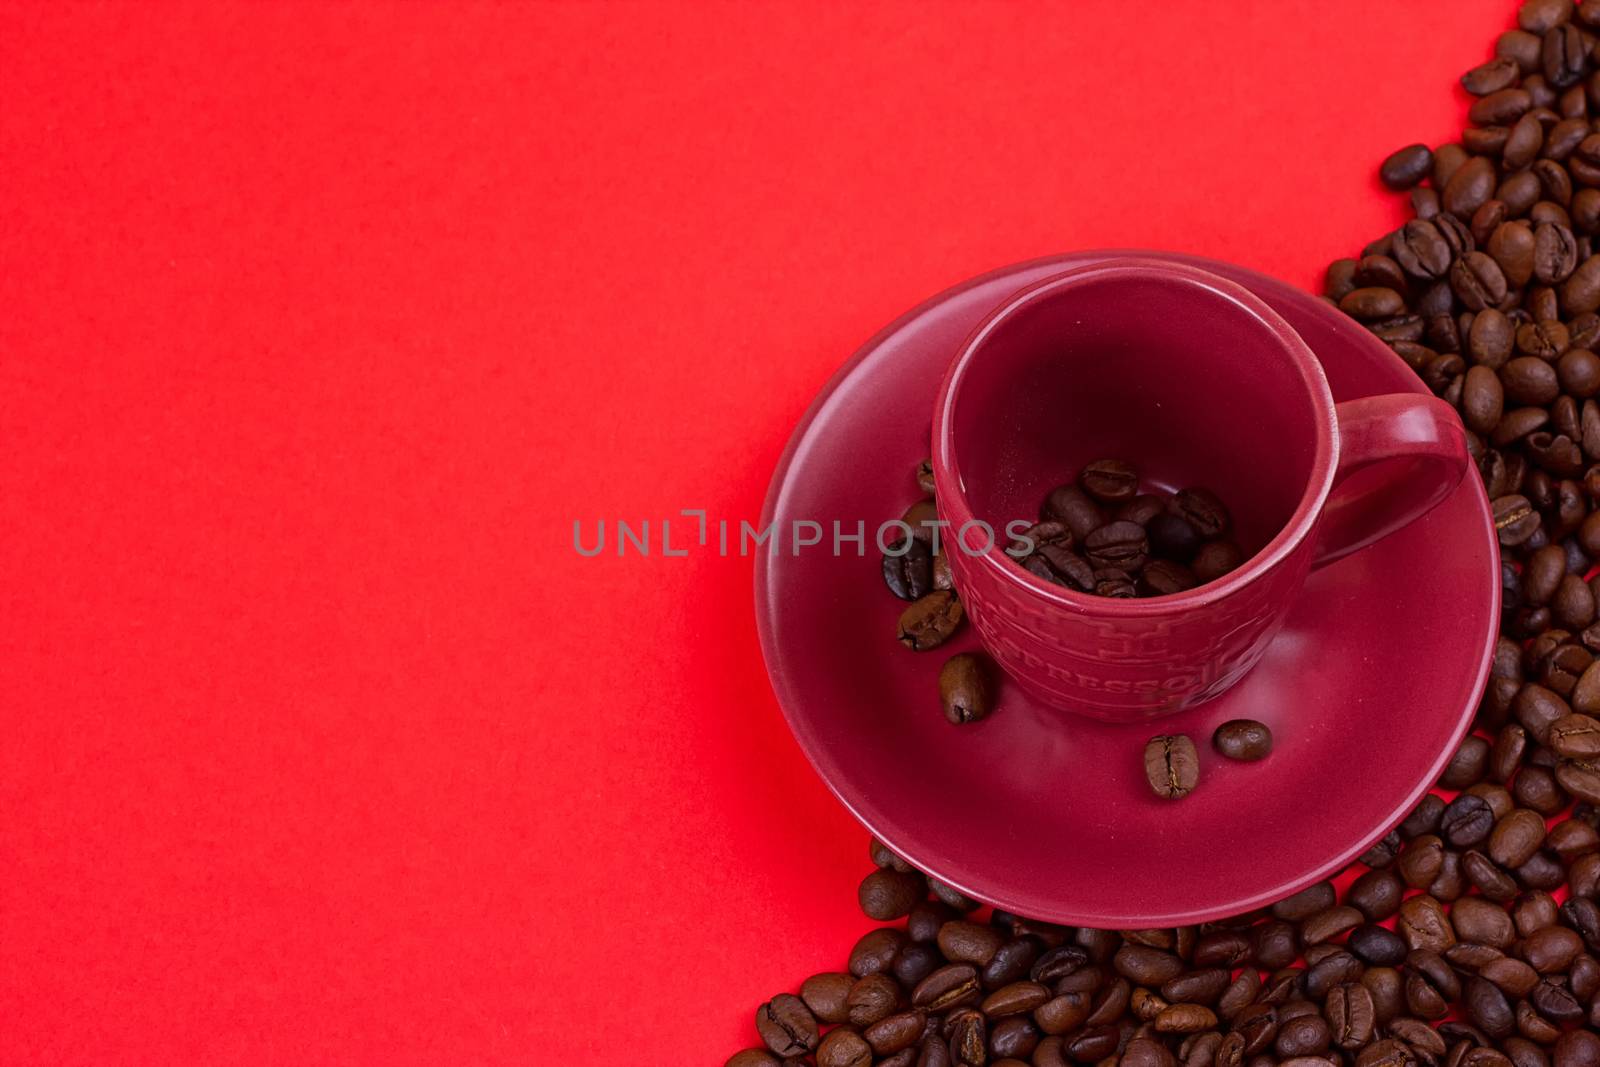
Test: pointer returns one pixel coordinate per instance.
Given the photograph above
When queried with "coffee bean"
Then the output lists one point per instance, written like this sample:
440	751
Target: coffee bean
755	1057
1516	838
1242	739
1163	577
1529	380
890	894
825	995
1202	509
1111	582
787	1026
1577	1048
947	988
1551	949
1478	281
1580	293
1118	546
1563	53
1575	737
1422	860
1555	1003
1555	253
1466	822
1514	519
1146	1052
1491	338
1172	537
915	962
908	569
968	1038
1093	1044
1482	399
1473	182
966	687
889	1035
967	942
1511	246
1052	558
1185	1019
1216	558
1171	766
1409	165
1423	924
1490	77
1142	508
844	1047
1377	946
1376	894
1305	1035
1110	481
1469	764
1424	818
873	997
930	621
876	950
1075	509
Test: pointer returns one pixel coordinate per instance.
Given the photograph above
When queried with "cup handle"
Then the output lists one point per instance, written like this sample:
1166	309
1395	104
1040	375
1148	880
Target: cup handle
1422	430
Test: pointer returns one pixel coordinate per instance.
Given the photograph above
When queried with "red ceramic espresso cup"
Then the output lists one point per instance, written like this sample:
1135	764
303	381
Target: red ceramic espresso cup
1197	383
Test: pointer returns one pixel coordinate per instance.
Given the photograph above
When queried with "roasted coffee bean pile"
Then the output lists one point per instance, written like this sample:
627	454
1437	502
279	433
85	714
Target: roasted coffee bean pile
1470	936
1468	941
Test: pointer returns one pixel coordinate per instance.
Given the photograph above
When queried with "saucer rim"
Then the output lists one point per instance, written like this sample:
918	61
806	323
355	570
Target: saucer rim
814	749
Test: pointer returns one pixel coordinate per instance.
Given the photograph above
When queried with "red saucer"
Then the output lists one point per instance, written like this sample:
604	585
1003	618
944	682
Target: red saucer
1368	690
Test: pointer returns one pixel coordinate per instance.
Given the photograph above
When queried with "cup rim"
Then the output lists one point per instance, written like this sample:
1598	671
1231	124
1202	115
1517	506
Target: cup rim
957	512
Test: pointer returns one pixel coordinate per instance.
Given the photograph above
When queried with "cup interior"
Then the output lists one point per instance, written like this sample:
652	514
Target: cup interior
1160	368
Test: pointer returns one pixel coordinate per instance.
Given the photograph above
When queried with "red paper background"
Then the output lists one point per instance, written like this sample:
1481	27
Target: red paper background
319	326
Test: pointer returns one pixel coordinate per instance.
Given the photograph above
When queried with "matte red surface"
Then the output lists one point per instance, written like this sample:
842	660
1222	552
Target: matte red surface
1047	814
318	327
1196	381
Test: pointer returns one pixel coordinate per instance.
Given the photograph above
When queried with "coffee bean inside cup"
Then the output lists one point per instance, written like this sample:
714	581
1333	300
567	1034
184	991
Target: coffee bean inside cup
1108	534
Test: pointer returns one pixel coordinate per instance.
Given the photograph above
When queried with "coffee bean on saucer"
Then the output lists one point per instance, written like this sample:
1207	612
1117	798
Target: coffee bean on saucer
908	569
1110	481
966	687
930	622
1171	765
925	476
1202	509
1243	739
1070	505
1216	558
923	518
1172	537
1119	545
